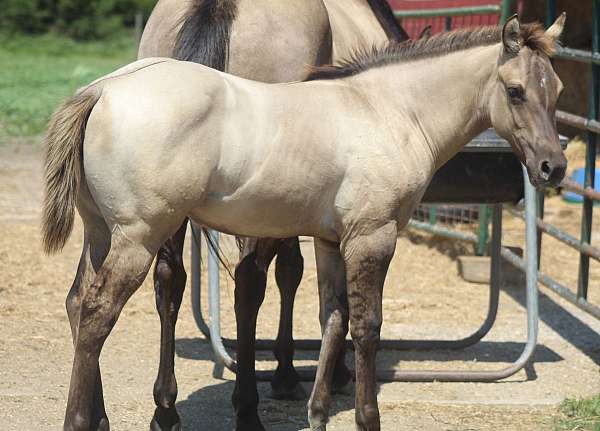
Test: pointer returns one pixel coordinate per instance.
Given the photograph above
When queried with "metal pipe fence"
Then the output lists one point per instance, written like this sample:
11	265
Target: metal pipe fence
591	125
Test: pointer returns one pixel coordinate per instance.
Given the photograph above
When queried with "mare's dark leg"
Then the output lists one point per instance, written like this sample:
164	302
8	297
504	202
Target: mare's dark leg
100	304
169	285
367	259
250	284
288	273
333	316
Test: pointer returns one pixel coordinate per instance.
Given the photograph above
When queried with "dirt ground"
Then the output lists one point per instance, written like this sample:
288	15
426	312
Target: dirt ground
424	298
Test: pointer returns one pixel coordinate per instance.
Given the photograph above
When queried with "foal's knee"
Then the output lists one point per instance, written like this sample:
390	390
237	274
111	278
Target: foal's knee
365	335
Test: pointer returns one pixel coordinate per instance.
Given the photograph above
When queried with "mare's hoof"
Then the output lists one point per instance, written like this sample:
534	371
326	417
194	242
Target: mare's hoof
76	425
295	393
165	420
249	424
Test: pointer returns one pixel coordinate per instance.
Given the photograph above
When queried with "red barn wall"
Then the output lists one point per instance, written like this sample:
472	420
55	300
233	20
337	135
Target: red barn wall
415	26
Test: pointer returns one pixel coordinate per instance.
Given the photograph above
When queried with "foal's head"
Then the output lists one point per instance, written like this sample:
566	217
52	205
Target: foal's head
523	100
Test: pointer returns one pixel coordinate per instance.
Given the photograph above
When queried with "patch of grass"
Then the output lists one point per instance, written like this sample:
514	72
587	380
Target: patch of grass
38	72
579	415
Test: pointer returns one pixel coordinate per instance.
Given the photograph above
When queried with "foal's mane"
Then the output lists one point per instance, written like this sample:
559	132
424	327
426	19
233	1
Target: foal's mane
533	36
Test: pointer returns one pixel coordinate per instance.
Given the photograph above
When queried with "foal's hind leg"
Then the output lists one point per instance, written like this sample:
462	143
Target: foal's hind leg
288	273
250	284
95	248
101	302
169	285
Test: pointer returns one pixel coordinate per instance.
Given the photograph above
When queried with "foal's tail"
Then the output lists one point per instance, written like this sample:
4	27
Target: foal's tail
63	166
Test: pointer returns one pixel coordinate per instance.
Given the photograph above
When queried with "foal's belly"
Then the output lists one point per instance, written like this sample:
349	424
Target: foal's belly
264	217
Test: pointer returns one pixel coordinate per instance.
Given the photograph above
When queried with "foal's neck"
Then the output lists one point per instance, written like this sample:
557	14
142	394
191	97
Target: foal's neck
440	101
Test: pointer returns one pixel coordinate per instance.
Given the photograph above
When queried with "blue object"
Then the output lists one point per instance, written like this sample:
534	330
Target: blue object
579	177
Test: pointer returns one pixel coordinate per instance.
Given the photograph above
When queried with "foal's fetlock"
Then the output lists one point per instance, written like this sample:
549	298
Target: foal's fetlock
165	419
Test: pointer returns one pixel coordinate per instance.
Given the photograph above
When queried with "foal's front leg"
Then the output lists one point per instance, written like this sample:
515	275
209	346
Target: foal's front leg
169	285
333	316
367	259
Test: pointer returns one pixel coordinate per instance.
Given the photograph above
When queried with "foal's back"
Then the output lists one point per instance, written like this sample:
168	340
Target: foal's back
225	145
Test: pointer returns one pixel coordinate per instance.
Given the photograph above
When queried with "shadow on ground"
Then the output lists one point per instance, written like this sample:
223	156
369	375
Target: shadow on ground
210	408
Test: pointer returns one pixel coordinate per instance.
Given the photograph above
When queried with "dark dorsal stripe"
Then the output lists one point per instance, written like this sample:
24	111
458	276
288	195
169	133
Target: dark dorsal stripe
532	35
384	14
204	34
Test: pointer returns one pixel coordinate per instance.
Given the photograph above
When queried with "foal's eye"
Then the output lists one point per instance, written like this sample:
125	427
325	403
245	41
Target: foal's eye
515	94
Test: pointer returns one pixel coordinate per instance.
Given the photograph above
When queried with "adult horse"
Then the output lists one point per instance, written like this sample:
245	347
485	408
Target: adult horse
269	41
344	157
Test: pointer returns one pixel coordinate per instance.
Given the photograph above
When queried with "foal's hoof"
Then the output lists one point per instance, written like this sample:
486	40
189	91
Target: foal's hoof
165	420
251	424
294	393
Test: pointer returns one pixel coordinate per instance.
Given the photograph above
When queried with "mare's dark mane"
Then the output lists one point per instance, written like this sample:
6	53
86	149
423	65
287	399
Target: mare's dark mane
532	35
204	34
385	15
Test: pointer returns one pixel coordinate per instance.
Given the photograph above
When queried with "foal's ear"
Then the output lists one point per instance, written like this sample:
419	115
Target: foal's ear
557	28
511	35
426	33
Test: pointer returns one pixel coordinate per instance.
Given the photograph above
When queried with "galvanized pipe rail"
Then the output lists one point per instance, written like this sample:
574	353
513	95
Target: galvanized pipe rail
564	237
592	125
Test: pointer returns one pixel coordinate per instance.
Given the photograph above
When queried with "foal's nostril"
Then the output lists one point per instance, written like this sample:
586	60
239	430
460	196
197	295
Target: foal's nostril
546	169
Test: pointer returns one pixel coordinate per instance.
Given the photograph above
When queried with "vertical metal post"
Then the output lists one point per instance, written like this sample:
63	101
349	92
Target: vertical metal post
590	160
214	309
540	201
550	12
531	265
432	214
483	231
506	11
138	26
197	279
